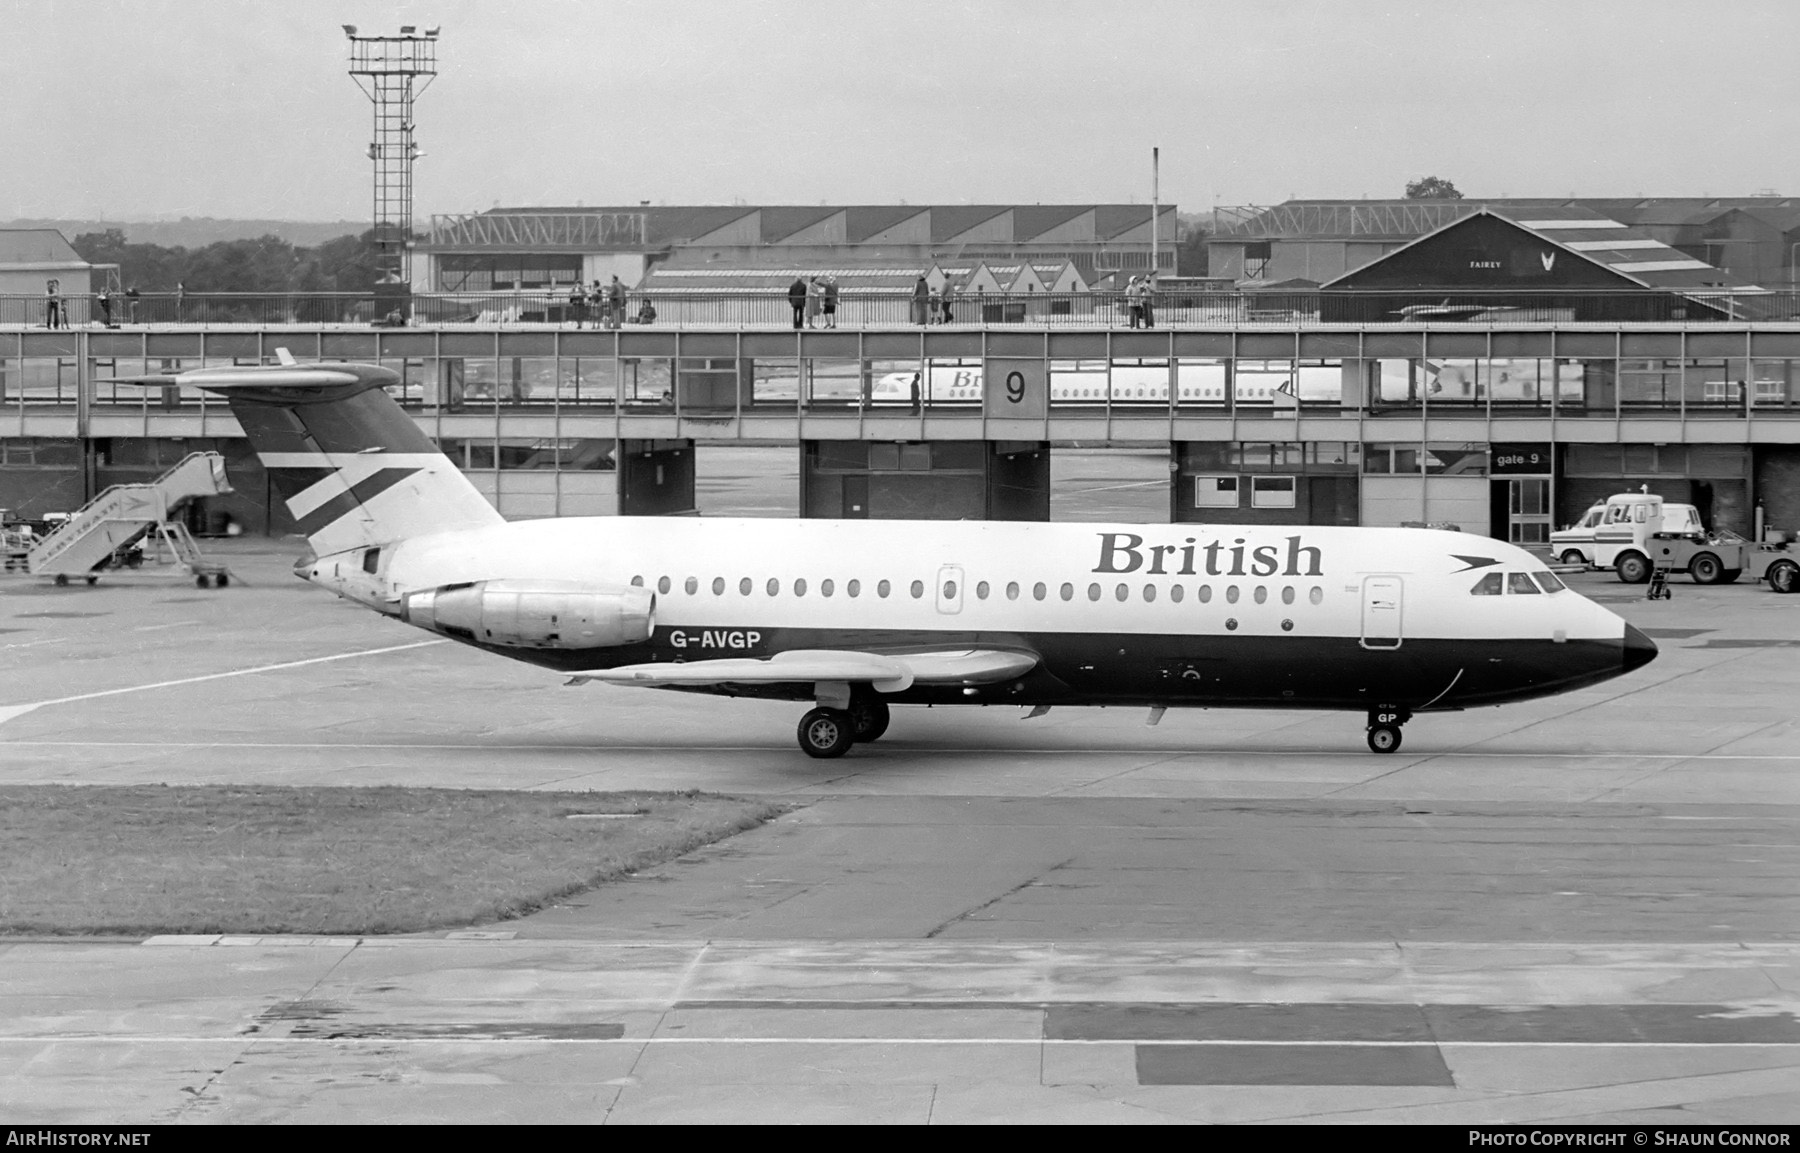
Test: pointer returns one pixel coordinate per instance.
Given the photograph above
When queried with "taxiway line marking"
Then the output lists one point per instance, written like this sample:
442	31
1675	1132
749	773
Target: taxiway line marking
1162	754
8	712
39	1039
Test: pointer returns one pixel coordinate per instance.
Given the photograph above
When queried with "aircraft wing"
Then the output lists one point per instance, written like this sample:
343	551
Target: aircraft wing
886	672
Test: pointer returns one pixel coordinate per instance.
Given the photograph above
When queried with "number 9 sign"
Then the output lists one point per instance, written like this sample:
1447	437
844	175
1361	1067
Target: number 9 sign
1015	388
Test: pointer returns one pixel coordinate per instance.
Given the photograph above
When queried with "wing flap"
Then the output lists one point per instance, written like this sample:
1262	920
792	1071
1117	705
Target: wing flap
887	672
968	667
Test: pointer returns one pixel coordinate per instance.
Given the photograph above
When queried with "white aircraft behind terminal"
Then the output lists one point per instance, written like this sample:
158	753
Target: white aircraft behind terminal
853	615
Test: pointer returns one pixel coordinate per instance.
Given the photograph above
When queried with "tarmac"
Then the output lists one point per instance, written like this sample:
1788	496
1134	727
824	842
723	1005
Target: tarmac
1579	910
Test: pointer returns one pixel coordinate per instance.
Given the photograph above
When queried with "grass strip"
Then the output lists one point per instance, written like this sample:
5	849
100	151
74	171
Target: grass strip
137	860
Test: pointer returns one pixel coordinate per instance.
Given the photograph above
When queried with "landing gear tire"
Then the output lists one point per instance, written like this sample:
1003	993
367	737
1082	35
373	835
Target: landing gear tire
868	717
1634	568
827	733
1384	738
221	580
1573	556
1706	569
201	581
1784	576
62	580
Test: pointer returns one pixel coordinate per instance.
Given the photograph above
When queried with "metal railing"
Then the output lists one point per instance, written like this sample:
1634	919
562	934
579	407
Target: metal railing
864	308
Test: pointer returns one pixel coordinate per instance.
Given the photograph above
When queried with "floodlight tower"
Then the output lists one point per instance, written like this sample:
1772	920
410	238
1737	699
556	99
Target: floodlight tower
385	68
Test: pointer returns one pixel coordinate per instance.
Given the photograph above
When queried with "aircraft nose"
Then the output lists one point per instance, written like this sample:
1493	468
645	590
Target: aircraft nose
1640	650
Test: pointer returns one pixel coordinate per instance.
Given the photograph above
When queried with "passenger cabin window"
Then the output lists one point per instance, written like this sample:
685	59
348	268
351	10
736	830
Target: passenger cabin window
1518	582
1490	585
826	587
854	588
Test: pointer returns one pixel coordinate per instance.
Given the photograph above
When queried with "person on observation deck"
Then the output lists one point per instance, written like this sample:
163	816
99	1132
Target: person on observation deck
797	299
921	301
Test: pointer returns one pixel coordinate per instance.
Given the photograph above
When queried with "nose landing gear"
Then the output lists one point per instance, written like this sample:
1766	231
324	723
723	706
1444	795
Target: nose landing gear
1384	728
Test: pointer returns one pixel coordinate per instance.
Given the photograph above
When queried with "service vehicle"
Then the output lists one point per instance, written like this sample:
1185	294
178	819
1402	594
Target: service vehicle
1639	532
1575	544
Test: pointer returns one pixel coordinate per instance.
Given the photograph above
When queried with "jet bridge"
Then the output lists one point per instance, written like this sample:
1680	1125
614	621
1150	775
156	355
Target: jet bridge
125	513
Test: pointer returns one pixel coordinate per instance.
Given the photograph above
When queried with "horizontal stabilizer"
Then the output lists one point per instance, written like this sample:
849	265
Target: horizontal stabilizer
887	672
246	377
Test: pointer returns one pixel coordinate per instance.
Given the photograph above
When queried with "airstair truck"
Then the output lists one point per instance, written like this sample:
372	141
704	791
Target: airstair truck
1640	532
125	514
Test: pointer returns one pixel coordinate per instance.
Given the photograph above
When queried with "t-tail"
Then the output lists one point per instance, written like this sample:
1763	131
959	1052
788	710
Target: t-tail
354	471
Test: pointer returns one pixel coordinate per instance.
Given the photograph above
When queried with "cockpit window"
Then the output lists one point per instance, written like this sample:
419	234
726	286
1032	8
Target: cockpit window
1488	586
1549	581
1518	582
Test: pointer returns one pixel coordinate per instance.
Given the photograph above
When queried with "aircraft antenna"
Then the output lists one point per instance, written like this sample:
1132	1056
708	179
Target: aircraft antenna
387	68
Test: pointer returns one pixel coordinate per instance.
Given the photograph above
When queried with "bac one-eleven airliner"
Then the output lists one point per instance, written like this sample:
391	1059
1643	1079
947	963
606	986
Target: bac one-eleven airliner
854	615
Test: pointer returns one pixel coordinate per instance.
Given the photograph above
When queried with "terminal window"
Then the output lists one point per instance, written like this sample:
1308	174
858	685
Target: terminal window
1215	492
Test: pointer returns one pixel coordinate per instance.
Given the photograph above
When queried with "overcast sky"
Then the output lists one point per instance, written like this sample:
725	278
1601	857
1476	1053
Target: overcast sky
243	108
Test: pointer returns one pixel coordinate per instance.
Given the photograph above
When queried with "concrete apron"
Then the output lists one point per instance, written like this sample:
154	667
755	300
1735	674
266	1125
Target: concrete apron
479	1027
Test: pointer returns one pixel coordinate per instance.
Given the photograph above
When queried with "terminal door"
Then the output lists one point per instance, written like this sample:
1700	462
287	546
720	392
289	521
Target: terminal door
1528	511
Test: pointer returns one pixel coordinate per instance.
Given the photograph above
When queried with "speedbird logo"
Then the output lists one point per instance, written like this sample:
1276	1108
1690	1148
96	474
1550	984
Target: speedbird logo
322	487
1125	552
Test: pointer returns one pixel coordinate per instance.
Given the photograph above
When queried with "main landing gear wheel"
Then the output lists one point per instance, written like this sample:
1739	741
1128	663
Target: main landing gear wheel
827	733
868	717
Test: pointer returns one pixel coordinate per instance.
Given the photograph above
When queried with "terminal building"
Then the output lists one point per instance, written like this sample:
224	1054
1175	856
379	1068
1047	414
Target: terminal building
1498	372
525	248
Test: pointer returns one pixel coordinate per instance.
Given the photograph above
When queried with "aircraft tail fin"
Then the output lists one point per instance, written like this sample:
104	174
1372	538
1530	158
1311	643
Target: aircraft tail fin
350	464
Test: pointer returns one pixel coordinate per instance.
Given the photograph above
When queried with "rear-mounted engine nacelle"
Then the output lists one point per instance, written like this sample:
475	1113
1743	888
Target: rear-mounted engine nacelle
535	614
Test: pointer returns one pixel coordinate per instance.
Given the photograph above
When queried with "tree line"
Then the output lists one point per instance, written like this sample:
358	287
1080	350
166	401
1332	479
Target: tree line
267	264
